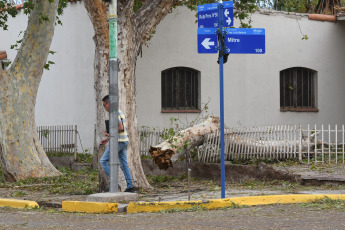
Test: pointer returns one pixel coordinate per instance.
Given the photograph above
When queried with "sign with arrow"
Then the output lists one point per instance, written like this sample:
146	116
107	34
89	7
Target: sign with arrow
245	40
207	40
208	16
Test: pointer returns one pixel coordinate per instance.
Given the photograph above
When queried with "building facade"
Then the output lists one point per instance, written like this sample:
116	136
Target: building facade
297	81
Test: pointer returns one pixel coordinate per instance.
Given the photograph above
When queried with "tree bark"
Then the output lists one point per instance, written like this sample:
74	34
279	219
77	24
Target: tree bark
168	152
21	153
134	28
97	11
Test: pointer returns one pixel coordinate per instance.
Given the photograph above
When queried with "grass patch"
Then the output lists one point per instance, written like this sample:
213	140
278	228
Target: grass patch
170	210
82	157
18	194
326	204
82	182
146	157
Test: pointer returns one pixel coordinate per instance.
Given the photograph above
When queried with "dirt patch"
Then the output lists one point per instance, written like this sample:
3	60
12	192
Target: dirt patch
233	172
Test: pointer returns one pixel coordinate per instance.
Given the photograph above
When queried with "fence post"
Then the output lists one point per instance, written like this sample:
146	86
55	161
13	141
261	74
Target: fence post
300	143
75	143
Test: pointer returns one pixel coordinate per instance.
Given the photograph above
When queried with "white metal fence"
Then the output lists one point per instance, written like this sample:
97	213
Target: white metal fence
281	142
59	138
325	144
318	144
149	138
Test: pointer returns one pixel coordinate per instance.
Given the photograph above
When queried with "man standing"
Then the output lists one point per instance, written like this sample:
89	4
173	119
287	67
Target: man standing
123	145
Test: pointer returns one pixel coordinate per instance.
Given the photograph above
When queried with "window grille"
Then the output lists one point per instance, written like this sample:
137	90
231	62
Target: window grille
180	89
298	89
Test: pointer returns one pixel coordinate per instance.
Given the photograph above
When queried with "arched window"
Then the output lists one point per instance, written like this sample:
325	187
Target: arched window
180	90
298	89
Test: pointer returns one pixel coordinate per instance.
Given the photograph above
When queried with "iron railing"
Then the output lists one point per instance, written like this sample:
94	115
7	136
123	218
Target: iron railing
313	144
59	138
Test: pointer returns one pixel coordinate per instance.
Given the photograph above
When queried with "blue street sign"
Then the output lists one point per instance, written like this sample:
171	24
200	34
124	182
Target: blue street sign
245	41
208	15
207	40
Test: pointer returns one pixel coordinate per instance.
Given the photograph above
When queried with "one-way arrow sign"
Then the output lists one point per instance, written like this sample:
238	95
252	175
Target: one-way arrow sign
208	15
207	40
207	43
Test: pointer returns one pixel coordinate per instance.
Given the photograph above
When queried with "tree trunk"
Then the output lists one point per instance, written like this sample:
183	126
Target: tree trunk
127	55
169	151
21	153
97	12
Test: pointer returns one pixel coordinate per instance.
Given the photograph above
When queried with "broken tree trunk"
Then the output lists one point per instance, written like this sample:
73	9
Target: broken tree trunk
169	151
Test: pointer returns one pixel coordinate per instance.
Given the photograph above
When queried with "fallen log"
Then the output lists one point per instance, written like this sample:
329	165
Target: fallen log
169	151
244	143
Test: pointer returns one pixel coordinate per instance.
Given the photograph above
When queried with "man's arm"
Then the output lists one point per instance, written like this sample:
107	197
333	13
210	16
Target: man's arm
121	128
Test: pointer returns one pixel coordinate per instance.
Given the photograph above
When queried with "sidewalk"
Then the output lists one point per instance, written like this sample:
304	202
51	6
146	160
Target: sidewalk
201	195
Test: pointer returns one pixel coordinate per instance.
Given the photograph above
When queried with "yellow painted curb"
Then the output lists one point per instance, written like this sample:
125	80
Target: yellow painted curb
159	206
264	200
89	207
228	202
13	203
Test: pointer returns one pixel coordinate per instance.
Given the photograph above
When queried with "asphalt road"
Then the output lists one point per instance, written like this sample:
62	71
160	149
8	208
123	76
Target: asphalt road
260	217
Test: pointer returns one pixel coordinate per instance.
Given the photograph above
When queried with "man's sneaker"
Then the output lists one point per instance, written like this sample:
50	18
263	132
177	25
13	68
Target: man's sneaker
129	190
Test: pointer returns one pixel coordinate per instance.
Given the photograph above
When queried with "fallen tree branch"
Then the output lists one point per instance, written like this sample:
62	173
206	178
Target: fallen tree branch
169	151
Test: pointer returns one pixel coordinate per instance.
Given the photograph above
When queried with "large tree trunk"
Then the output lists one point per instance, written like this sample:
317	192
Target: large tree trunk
127	55
21	153
169	151
134	28
97	12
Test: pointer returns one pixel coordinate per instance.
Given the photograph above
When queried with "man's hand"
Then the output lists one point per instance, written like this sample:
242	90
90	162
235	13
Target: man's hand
105	141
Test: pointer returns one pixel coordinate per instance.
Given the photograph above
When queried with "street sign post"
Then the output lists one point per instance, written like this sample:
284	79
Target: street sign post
208	15
245	41
221	96
211	20
207	40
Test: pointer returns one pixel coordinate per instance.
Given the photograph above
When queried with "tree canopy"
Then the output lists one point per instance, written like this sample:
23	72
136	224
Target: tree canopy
10	8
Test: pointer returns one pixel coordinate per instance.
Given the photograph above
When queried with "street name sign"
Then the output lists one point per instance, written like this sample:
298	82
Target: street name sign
245	40
207	40
208	15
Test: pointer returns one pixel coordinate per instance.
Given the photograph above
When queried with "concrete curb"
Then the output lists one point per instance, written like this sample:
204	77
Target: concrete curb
134	207
160	206
89	207
13	203
266	200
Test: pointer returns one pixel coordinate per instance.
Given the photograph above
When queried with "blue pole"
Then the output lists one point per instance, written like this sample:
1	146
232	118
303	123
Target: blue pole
221	87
